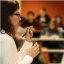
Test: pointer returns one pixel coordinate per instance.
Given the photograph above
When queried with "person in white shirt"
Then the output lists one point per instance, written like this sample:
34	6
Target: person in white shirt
9	22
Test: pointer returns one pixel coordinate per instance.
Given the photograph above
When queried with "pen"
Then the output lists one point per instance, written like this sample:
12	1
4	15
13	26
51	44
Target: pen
25	33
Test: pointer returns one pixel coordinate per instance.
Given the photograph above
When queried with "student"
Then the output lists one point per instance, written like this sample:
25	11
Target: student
52	33
43	17
59	21
31	21
9	22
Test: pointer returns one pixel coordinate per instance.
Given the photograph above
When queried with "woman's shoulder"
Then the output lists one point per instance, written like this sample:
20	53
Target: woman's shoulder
5	37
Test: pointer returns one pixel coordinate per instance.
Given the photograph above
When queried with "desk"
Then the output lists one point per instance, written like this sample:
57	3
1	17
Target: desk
39	39
60	40
53	51
55	63
37	33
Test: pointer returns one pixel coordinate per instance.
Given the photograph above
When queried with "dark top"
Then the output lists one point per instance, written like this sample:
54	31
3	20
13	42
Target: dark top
52	44
22	18
46	17
61	26
36	24
50	32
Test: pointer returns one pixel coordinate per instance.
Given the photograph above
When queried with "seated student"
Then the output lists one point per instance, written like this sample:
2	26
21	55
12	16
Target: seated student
31	21
59	21
53	33
43	17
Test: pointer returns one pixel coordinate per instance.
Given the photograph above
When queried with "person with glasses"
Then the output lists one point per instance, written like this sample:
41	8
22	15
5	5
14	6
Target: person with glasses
10	18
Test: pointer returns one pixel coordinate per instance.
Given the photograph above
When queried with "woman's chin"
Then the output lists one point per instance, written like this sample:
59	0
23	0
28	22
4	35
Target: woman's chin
16	27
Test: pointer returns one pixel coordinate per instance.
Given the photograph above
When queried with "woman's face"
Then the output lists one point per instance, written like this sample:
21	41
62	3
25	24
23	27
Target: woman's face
51	25
58	20
15	18
42	13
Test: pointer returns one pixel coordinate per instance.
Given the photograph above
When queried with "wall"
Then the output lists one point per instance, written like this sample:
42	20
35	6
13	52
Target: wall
53	7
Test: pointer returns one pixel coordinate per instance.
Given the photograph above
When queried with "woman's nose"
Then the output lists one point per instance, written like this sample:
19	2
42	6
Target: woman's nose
19	18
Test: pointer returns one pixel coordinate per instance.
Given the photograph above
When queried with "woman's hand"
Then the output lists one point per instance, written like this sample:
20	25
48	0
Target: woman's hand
29	34
33	51
54	37
60	29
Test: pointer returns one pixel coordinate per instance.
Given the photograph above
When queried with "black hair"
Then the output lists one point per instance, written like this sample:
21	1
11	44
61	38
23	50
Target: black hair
58	16
44	9
30	12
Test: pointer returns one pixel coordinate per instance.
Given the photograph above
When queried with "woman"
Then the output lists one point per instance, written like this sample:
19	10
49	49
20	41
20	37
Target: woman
9	22
59	21
51	31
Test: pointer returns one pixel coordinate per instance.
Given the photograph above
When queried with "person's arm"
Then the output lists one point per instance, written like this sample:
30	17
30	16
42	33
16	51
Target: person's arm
60	29
10	55
25	46
42	34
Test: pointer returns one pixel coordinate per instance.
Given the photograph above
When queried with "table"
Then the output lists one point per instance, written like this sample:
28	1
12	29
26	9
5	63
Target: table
47	39
37	33
53	50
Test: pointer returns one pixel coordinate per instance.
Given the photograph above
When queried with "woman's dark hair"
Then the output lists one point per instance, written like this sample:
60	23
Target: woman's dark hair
8	8
58	16
55	23
30	12
44	9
